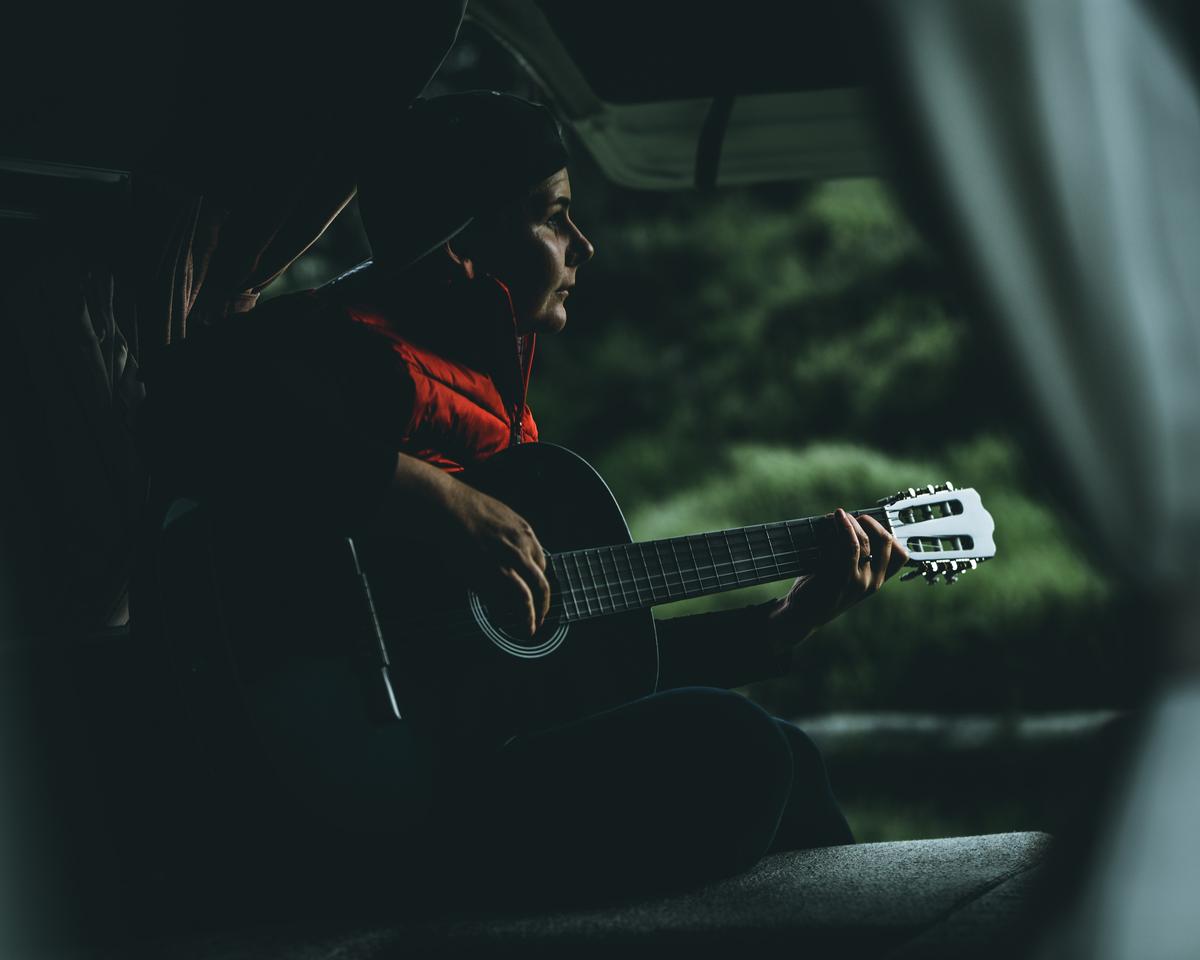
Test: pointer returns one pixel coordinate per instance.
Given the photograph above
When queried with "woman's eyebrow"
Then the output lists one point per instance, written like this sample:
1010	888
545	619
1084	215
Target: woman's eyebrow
537	205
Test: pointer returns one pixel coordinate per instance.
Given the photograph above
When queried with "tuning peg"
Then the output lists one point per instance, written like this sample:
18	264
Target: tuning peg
948	570
898	495
915	491
958	567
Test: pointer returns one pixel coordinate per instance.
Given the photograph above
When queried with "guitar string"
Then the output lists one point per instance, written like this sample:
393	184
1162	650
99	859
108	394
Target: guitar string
462	626
653	583
679	575
606	586
603	588
759	532
454	624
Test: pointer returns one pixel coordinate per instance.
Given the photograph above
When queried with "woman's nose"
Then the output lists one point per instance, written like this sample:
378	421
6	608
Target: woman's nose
581	247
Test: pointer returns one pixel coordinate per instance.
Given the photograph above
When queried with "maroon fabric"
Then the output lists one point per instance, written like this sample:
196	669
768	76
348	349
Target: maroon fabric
75	488
206	259
261	152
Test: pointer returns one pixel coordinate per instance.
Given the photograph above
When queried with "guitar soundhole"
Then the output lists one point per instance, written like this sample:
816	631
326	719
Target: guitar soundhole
503	628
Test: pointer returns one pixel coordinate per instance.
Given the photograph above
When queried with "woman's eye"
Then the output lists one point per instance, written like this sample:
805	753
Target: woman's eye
555	221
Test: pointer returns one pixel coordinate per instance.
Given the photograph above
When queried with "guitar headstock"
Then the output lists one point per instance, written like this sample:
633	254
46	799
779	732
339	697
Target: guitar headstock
946	531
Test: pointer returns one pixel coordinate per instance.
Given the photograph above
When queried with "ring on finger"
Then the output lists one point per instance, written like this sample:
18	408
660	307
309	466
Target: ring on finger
863	561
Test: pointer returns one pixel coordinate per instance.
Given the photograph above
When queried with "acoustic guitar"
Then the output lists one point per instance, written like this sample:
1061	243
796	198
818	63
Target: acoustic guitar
345	655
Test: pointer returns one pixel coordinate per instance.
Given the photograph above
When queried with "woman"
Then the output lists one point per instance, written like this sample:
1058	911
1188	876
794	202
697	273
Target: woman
427	354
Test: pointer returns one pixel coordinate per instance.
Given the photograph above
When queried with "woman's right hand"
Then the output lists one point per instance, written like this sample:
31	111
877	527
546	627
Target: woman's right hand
499	552
492	545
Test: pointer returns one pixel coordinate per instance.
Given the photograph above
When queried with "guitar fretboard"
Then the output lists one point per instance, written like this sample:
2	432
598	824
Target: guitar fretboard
629	576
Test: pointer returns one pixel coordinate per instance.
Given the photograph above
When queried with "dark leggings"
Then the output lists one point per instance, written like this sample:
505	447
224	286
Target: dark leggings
666	792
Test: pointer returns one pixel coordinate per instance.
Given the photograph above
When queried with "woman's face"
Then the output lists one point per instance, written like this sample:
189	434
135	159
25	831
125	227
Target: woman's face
535	250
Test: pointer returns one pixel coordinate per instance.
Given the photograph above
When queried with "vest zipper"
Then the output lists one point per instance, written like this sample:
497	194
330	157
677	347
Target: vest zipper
518	407
516	426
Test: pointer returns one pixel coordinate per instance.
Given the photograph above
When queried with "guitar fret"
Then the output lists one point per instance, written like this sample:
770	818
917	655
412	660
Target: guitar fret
620	580
791	535
658	557
683	589
582	584
774	558
641	550
695	565
565	590
633	576
610	588
598	580
612	583
576	587
712	559
599	596
737	577
750	550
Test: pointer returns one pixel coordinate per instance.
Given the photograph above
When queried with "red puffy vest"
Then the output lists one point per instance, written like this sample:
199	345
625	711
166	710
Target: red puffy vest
469	375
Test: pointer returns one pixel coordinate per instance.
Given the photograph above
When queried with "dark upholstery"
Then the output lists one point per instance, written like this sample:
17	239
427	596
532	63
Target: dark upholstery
960	897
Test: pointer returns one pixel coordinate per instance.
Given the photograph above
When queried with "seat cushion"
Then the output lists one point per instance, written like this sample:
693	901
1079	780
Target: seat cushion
853	901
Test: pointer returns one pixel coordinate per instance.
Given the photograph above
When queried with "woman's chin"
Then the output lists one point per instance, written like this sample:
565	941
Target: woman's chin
549	321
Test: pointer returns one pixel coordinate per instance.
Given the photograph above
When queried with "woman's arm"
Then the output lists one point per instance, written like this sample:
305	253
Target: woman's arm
735	647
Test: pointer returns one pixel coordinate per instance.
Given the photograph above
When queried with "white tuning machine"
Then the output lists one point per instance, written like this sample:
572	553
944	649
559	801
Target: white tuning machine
946	531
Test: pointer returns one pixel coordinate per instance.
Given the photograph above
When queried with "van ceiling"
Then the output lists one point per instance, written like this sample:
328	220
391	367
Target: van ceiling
675	96
635	51
643	83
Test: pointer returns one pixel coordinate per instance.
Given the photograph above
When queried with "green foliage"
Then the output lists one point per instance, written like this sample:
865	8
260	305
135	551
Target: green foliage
959	647
783	315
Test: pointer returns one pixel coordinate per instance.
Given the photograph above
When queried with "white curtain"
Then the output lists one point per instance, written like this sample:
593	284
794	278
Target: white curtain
1063	139
1065	136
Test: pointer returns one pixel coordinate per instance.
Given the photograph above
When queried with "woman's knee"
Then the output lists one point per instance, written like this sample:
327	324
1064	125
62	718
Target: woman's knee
683	786
746	758
731	732
806	755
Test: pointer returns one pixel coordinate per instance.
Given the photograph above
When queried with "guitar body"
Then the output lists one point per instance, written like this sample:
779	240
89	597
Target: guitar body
463	672
263	622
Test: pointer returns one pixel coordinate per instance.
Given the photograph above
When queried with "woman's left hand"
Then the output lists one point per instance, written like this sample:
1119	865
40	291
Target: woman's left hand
867	555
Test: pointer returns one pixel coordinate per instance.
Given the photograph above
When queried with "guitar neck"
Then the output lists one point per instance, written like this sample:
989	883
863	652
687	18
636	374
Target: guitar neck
630	576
